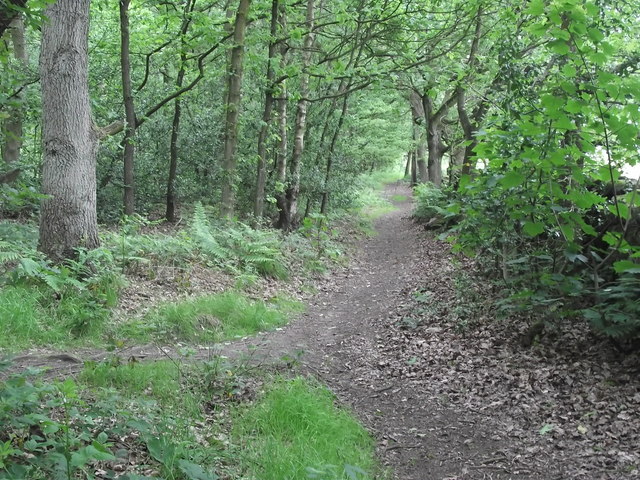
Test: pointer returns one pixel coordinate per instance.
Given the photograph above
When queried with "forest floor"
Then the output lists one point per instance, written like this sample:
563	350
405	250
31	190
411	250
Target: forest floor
407	338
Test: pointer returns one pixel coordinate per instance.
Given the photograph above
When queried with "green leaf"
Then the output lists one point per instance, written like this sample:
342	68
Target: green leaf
546	428
559	46
535	8
195	472
533	229
512	179
596	35
626	266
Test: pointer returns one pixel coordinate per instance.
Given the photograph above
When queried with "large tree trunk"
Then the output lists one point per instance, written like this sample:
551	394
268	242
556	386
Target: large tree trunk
300	127
13	124
232	106
435	145
261	179
70	141
129	109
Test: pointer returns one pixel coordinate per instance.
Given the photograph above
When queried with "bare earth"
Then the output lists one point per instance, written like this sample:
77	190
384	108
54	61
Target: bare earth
447	391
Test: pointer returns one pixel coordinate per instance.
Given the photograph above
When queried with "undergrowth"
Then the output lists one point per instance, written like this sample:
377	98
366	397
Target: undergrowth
171	420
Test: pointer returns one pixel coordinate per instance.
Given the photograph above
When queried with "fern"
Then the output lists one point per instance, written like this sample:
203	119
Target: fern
618	315
202	234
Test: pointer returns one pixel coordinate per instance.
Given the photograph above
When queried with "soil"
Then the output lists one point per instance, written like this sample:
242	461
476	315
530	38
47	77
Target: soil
407	337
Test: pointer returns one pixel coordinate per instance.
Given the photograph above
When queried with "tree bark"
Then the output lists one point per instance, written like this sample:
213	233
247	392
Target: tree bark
170	213
300	127
419	120
234	86
435	145
8	14
283	139
13	124
332	147
261	178
130	112
68	217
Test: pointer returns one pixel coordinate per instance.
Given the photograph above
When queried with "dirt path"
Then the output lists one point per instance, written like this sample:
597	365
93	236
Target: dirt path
444	403
341	338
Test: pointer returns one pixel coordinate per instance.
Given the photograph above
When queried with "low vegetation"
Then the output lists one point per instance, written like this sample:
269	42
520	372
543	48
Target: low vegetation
171	419
177	421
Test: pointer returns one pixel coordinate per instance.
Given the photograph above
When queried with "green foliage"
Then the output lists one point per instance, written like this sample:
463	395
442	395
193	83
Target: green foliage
429	201
548	213
295	431
59	431
210	318
44	303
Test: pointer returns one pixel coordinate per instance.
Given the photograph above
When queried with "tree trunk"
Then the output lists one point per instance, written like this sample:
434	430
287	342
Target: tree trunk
170	213
9	12
301	122
332	147
281	159
129	109
173	148
68	217
234	86
407	165
261	179
414	169
435	146
13	124
419	119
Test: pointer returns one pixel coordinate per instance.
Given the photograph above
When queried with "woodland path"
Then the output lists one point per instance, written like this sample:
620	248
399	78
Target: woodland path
442	405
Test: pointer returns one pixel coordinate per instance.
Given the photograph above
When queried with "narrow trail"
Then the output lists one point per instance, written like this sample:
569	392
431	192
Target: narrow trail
340	340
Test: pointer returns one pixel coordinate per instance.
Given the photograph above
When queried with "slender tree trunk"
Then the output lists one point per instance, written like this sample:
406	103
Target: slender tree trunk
234	86
261	179
281	159
414	169
130	113
173	161
13	124
68	217
301	122
407	165
170	213
332	147
283	139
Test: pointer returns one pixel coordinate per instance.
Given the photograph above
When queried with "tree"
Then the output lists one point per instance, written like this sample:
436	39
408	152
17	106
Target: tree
68	217
288	215
232	107
13	128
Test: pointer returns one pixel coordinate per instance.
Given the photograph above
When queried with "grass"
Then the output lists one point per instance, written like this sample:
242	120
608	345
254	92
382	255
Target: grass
399	198
295	431
211	318
34	317
160	380
292	430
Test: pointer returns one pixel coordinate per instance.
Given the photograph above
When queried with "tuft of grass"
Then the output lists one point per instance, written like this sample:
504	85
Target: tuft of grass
23	319
211	318
399	198
295	431
160	380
